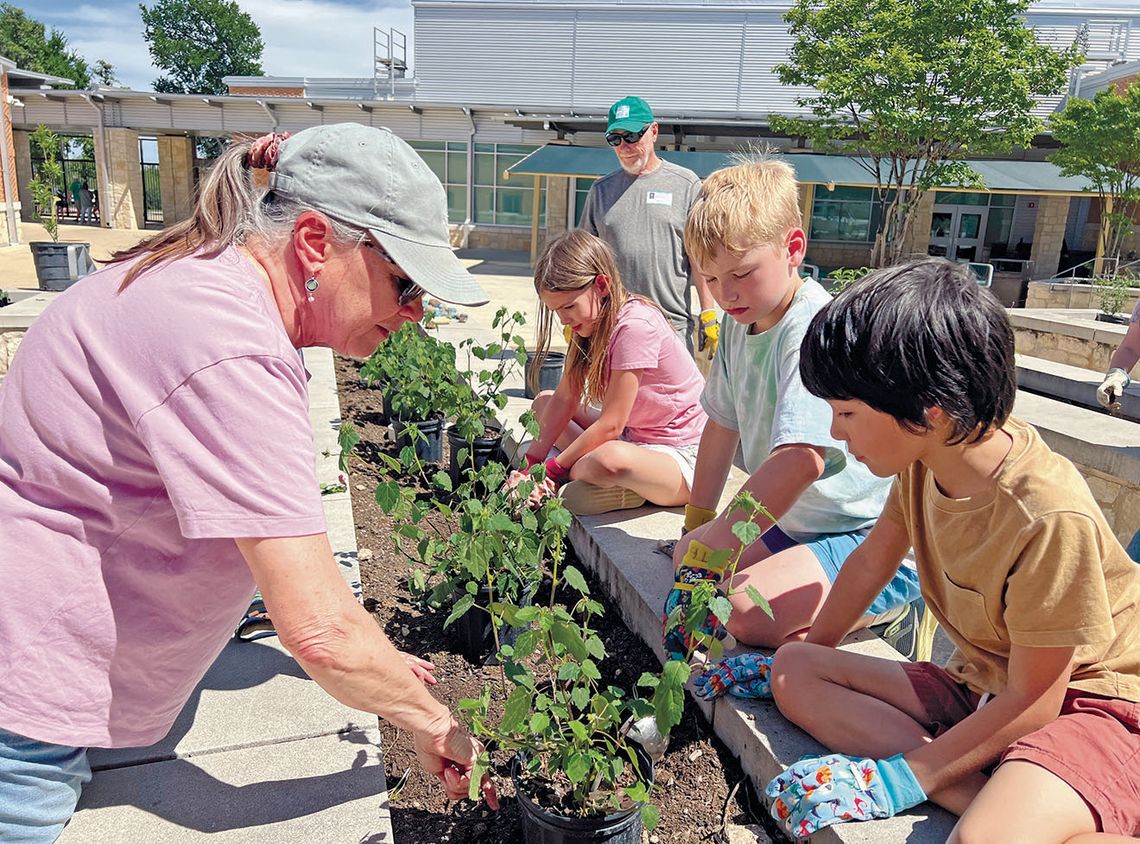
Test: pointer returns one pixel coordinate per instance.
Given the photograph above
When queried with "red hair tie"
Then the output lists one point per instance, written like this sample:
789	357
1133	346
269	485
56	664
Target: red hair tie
263	154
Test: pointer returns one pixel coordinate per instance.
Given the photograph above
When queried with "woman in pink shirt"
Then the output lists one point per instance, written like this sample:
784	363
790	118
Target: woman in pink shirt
156	461
626	416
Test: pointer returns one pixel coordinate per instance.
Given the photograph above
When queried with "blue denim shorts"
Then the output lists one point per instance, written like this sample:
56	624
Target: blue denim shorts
832	549
39	787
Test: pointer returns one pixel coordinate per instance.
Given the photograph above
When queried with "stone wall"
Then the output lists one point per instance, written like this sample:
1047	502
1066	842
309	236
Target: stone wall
9	341
1043	294
1119	500
1061	348
832	254
1048	234
512	238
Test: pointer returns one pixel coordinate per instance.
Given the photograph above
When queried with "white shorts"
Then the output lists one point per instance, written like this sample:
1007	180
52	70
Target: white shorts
685	455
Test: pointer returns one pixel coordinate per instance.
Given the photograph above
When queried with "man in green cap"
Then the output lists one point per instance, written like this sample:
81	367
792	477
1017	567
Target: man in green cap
640	210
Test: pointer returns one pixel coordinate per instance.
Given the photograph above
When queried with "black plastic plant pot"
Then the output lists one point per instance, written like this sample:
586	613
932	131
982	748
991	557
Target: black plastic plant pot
429	447
543	827
473	631
389	413
547	377
481	450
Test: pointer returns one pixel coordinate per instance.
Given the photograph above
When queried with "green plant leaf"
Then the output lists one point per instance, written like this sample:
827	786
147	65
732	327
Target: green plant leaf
575	580
569	671
481	766
503	523
721	607
579	730
539	721
759	600
525	644
746	532
669	697
589	669
577	766
580	697
649	816
461	607
388	496
516	710
442	480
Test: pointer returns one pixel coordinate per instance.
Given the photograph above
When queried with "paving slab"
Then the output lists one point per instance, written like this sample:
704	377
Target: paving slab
323	789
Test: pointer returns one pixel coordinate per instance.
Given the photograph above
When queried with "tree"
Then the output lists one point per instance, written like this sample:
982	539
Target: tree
916	85
104	72
27	42
1101	141
197	42
48	181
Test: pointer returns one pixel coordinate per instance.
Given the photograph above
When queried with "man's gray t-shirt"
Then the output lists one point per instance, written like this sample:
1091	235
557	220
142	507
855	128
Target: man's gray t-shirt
643	219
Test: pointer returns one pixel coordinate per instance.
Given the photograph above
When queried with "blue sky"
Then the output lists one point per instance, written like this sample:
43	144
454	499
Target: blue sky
302	37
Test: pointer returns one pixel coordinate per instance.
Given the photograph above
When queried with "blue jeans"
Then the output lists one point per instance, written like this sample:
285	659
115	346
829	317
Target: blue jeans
832	549
39	787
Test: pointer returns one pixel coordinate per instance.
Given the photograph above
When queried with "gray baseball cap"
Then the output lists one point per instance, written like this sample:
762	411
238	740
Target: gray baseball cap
369	178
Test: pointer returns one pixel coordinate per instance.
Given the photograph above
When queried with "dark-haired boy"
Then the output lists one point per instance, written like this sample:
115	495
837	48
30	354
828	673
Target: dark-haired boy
1016	562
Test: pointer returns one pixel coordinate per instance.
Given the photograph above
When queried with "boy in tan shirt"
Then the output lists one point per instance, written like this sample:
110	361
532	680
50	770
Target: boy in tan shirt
1031	731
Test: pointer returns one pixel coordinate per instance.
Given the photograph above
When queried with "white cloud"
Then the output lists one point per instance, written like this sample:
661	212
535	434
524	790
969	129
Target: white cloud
301	37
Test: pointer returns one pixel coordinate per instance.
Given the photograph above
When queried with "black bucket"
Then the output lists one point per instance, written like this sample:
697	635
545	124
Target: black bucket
60	265
429	448
543	827
548	377
482	450
473	631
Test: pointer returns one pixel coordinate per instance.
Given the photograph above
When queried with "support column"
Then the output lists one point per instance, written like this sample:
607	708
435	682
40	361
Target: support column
1048	234
557	206
121	199
918	238
176	177
22	150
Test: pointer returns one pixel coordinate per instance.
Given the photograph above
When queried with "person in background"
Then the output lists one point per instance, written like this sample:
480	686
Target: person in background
178	471
626	416
86	204
1117	379
640	211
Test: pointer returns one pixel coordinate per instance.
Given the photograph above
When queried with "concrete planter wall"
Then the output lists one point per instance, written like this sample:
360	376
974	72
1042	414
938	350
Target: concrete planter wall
1044	294
1068	336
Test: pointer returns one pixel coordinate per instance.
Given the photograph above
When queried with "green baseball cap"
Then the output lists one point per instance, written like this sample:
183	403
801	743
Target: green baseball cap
629	114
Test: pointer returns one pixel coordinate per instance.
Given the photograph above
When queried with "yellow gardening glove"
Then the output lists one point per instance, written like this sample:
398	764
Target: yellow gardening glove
710	333
1110	390
697	516
568	333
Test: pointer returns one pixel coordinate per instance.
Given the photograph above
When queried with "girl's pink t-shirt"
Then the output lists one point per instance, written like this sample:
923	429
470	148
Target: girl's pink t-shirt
140	433
667	410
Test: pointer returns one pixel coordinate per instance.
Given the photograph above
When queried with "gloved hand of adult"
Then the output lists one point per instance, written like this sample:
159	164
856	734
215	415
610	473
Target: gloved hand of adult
746	676
710	333
1112	387
696	567
826	790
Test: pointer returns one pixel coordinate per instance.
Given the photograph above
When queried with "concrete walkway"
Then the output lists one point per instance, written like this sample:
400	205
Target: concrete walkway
260	753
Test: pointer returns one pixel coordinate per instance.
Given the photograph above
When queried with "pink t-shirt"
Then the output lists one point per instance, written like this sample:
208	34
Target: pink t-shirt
667	409
140	432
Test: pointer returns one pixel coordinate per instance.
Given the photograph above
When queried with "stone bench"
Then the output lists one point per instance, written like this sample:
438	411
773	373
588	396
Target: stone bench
1073	384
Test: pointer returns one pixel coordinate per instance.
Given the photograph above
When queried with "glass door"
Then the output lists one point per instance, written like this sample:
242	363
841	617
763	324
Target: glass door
956	232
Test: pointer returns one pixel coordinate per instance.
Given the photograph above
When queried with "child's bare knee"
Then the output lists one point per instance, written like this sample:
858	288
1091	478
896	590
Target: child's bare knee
541	400
976	828
793	669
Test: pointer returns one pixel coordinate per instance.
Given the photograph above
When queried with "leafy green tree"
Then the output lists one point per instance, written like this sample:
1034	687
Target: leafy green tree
198	42
47	181
916	85
104	73
1101	141
27	42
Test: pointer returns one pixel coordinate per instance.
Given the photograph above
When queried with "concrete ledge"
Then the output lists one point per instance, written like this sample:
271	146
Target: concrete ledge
1067	322
1090	438
20	314
619	549
1073	384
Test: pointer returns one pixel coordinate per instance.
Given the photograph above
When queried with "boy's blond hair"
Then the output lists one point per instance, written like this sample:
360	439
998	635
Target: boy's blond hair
753	203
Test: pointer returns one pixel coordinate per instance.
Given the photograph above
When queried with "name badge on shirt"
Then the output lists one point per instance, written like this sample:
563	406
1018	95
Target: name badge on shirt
658	197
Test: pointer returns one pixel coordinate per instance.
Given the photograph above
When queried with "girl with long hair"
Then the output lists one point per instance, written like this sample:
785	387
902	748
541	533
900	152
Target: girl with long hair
625	420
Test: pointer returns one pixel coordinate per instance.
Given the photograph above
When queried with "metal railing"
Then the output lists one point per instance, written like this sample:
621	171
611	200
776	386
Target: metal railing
1071	272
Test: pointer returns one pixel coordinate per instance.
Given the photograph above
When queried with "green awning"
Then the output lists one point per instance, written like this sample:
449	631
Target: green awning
1034	177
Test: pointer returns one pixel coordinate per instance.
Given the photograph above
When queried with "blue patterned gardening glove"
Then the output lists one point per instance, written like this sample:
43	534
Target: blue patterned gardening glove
746	675
826	790
695	568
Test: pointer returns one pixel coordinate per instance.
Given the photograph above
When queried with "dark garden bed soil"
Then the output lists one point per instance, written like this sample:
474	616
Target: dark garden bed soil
697	781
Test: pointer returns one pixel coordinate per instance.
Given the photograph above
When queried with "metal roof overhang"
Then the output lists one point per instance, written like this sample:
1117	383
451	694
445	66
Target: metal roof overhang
998	176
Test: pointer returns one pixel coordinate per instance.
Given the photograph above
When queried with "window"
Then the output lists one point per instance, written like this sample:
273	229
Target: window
999	219
448	160
502	202
846	213
581	188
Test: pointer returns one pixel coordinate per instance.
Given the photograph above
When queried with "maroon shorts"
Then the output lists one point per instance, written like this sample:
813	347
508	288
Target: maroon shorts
1093	745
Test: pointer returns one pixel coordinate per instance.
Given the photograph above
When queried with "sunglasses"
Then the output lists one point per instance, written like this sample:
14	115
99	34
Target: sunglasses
614	139
406	290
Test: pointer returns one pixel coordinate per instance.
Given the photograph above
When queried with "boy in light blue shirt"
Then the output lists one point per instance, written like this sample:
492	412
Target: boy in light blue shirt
745	238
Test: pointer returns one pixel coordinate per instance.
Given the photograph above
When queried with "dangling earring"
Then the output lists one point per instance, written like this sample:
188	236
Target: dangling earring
311	284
